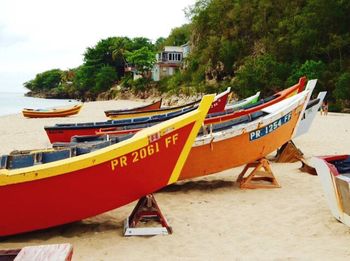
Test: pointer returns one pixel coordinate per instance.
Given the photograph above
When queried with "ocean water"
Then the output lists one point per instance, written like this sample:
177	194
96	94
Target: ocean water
11	103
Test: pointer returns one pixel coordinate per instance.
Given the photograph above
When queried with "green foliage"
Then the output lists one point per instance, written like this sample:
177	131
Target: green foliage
335	107
342	87
159	44
103	65
262	73
311	69
104	79
143	59
45	81
266	44
140	85
178	36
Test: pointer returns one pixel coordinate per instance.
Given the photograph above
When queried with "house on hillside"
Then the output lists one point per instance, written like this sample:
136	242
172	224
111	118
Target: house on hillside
169	60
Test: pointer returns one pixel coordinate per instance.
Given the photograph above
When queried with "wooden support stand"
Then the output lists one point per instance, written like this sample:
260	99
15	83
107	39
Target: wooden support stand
146	209
305	167
288	153
261	172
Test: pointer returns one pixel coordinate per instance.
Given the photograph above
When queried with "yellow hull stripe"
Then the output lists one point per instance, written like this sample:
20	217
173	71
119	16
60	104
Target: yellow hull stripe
203	110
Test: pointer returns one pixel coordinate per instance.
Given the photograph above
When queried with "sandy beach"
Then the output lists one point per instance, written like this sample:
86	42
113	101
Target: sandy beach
211	217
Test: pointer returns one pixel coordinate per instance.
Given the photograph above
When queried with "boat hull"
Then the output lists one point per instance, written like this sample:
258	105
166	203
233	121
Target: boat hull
336	186
51	113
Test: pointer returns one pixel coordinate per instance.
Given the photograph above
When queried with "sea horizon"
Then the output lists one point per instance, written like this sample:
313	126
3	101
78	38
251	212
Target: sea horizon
14	102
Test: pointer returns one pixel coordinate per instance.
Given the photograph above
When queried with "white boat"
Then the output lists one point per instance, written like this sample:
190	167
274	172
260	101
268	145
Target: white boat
311	110
334	173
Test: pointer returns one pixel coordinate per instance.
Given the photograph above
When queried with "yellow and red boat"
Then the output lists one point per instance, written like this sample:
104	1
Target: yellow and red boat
50	113
68	190
153	106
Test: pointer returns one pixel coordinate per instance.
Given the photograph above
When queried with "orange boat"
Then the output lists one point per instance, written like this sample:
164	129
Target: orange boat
153	106
247	141
51	113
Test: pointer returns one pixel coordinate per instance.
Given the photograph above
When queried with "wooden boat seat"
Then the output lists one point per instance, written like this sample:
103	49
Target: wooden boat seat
17	161
51	156
86	148
229	124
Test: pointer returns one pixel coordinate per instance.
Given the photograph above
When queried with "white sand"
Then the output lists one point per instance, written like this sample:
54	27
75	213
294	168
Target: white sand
211	217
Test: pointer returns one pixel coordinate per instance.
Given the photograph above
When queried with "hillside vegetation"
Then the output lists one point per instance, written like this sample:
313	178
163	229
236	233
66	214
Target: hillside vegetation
250	45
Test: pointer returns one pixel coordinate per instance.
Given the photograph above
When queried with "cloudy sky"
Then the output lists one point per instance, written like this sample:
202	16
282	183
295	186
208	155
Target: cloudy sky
39	35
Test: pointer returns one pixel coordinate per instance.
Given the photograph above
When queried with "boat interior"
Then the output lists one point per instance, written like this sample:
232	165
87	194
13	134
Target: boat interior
84	144
343	166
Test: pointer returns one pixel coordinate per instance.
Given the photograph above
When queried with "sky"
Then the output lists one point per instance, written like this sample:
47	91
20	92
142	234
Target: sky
39	35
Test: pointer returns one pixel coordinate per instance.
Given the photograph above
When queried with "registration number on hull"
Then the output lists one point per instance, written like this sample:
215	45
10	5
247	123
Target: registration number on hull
254	135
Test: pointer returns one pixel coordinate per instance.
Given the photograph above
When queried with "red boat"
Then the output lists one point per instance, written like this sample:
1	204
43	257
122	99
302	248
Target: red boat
153	106
45	195
217	106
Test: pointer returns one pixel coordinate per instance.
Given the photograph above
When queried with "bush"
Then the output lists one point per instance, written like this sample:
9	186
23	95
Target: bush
342	87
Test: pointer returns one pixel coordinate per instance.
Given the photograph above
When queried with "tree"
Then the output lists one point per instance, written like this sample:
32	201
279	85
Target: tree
45	81
159	44
178	36
311	69
342	87
104	79
143	59
263	73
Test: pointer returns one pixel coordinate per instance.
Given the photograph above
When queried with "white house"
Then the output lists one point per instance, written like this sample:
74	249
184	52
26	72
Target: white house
169	60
